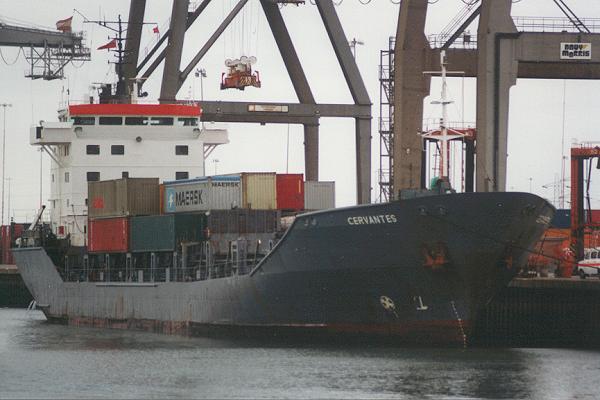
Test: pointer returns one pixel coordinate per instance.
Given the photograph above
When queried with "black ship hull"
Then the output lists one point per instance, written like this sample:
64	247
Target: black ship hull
416	271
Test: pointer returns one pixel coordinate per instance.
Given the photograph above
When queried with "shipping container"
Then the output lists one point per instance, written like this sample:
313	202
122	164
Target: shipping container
161	197
102	199
562	219
259	190
137	196
9	235
108	235
221	192
243	221
123	197
166	232
290	192
201	194
594	216
5	245
319	195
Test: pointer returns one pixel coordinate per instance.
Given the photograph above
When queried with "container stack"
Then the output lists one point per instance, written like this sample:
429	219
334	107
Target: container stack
111	204
255	191
143	231
137	226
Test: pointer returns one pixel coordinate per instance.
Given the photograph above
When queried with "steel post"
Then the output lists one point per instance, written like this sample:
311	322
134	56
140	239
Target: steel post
359	94
363	160
497	72
170	81
411	86
132	45
299	82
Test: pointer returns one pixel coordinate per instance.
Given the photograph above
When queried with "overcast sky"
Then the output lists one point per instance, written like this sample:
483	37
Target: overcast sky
535	115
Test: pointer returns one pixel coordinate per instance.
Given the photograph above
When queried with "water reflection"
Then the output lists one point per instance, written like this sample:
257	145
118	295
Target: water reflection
42	360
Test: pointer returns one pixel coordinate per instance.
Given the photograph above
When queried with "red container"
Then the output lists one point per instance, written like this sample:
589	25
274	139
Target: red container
5	244
595	214
10	233
290	192
108	235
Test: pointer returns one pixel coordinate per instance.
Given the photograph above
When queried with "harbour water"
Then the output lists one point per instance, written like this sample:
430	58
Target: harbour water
40	360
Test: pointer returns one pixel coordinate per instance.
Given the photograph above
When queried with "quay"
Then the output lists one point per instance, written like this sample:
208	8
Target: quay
542	312
13	292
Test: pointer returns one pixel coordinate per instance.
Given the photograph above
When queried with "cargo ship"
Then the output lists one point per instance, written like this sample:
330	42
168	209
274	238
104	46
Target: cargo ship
252	252
140	238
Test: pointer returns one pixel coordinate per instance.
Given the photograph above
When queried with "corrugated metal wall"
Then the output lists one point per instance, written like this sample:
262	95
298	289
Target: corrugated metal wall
102	199
243	221
319	195
137	196
214	193
166	232
127	196
290	192
110	235
259	190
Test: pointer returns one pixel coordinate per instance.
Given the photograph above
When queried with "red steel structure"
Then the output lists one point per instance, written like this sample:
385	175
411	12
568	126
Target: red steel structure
578	221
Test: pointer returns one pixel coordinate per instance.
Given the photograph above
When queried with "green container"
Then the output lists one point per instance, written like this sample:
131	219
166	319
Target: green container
166	232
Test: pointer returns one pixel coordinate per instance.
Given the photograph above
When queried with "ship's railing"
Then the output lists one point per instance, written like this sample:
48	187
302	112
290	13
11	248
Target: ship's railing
430	124
553	24
464	41
468	40
147	273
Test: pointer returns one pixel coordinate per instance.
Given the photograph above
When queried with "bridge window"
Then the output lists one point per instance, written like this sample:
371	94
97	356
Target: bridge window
111	120
187	121
93	149
161	121
136	120
181	175
66	177
83	120
181	150
93	176
117	149
125	174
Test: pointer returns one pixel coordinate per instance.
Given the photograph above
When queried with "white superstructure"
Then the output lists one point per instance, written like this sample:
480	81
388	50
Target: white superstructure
94	142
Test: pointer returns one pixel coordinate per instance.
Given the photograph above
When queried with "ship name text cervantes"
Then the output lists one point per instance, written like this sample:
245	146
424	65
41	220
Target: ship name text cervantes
372	219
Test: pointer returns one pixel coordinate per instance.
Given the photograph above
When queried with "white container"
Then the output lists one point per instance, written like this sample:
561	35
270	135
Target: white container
214	193
319	195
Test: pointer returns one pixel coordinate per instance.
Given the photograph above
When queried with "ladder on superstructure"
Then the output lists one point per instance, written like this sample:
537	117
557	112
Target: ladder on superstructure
386	123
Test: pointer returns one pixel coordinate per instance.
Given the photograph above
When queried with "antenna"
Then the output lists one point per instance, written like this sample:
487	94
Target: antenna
442	134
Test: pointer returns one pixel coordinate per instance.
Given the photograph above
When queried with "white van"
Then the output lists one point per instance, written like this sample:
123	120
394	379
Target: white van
590	265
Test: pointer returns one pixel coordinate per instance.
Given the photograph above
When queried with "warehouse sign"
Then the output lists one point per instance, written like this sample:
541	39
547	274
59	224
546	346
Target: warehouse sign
575	51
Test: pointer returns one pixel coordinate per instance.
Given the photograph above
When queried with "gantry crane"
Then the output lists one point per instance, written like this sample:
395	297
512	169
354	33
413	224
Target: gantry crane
48	52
